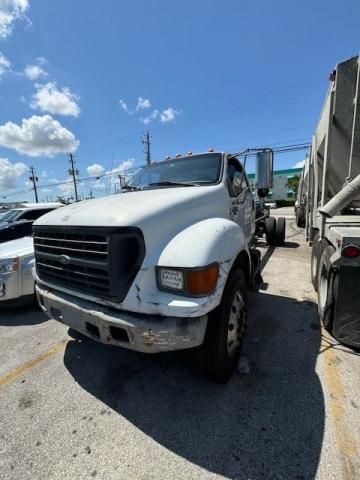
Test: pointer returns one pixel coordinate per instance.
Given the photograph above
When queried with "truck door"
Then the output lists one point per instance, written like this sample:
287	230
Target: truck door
242	205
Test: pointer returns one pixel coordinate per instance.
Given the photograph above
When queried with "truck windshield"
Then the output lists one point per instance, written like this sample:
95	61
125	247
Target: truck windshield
184	171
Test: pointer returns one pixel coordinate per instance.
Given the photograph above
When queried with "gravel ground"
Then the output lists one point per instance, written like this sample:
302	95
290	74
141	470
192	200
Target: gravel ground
71	408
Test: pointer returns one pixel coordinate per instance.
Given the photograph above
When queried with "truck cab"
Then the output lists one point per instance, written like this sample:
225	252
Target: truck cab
163	265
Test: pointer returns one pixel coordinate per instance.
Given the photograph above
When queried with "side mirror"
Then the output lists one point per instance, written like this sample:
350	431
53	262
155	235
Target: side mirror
264	171
122	181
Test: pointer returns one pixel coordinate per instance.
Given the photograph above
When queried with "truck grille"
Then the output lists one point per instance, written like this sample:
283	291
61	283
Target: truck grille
98	261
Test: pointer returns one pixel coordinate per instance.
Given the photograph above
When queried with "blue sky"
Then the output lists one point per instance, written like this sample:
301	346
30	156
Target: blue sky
91	77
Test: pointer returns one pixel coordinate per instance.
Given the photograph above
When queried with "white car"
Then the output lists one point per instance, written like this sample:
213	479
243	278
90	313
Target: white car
16	264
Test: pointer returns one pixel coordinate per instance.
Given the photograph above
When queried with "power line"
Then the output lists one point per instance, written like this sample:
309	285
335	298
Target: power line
34	179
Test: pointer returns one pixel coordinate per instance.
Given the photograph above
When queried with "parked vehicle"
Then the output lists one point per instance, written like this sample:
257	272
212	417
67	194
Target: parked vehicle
30	211
164	265
329	202
16	262
18	229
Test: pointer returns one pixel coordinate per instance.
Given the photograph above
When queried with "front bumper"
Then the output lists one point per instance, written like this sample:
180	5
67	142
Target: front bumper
143	333
9	287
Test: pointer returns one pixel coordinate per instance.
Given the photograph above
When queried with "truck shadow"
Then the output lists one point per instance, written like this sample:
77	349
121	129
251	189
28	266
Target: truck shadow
267	424
24	315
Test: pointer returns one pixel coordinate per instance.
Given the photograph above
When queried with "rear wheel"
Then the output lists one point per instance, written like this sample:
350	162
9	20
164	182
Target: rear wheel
270	229
326	278
280	231
219	354
300	217
316	252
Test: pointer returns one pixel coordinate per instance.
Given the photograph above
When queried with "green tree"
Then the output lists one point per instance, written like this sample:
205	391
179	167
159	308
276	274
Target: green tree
293	183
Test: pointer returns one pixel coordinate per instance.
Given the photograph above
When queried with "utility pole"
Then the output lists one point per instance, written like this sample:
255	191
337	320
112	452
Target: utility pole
146	141
33	178
73	172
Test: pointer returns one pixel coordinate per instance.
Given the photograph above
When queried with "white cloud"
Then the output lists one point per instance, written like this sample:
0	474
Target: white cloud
123	166
9	173
40	60
149	118
299	164
124	106
96	185
168	115
67	187
38	136
143	103
33	72
49	98
95	170
165	116
4	64
10	11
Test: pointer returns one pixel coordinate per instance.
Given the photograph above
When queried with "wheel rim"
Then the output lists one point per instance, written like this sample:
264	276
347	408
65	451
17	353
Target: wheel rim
323	290
236	323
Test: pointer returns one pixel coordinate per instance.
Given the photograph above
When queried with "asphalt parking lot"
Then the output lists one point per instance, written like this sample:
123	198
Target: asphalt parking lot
71	408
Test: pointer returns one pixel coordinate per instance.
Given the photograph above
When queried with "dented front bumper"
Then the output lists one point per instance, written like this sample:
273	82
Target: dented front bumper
143	333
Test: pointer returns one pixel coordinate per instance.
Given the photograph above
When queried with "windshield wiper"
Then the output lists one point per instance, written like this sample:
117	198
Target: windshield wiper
131	187
170	184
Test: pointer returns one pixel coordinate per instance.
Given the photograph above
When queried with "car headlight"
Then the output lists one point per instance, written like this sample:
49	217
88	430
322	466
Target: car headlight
197	282
9	265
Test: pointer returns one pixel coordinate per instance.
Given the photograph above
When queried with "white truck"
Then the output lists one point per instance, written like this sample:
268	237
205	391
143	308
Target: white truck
164	265
328	205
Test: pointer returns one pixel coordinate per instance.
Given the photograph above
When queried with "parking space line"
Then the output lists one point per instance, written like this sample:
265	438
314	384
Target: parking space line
345	440
8	377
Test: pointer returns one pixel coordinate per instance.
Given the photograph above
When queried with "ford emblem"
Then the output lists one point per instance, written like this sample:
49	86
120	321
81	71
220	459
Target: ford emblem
64	259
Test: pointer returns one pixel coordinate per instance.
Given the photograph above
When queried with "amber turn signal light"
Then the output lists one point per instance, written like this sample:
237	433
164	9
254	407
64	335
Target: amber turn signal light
202	282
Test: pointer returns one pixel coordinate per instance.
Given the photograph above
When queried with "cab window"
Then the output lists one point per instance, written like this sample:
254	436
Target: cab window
237	183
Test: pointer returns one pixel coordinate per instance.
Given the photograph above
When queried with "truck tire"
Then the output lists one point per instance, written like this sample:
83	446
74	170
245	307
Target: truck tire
225	332
316	252
300	217
280	231
326	277
270	229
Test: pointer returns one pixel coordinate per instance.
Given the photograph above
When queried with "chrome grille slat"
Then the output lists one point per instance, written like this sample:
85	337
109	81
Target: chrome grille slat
69	240
68	248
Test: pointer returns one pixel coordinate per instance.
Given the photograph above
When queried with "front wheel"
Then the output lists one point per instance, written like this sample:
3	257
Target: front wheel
225	332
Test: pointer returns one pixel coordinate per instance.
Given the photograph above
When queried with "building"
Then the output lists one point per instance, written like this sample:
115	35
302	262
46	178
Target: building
279	190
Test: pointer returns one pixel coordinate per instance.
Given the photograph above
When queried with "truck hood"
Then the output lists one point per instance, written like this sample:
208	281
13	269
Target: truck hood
19	247
141	208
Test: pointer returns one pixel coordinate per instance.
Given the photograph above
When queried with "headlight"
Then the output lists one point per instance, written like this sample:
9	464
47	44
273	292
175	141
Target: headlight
197	282
9	265
172	279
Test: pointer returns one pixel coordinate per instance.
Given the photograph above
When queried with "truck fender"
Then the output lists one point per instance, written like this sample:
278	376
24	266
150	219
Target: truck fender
213	240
